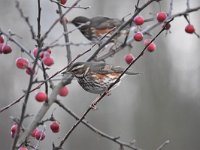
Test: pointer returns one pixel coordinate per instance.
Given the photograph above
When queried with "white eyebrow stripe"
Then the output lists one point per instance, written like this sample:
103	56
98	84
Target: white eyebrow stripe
77	67
88	68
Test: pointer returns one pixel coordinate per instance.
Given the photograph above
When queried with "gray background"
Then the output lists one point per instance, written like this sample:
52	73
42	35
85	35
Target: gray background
162	103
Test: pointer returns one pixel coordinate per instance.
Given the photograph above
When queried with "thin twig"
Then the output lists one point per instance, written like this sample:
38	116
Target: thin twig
188	4
18	100
45	78
97	131
69	57
57	20
163	145
26	19
80	7
57	39
24	106
186	12
18	44
170	8
137	5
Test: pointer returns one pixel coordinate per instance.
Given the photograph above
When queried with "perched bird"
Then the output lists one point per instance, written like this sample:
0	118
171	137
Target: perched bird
96	28
96	77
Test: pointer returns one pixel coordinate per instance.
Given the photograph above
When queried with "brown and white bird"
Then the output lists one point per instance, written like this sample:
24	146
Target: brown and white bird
96	77
94	29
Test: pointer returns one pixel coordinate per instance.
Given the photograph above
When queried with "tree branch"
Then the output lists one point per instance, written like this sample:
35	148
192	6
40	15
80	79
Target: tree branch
95	130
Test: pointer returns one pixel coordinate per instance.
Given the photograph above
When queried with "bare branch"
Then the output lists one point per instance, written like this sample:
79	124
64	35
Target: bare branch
95	130
163	145
60	18
26	19
27	94
170	8
188	4
69	57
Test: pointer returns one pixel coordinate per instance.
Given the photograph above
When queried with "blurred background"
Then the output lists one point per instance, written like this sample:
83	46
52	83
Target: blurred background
163	103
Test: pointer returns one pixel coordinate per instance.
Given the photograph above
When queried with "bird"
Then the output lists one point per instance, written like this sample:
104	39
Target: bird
96	28
96	77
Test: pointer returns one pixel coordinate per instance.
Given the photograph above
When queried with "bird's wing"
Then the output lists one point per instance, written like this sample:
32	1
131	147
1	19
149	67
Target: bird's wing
105	22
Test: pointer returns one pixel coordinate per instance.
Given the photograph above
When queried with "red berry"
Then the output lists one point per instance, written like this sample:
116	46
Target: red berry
48	61
34	131
5	49
21	63
55	126
138	20
190	29
48	50
23	148
138	36
151	47
29	70
63	2
129	58
161	16
46	54
1	39
64	91
167	26
41	97
147	41
40	135
13	130
35	51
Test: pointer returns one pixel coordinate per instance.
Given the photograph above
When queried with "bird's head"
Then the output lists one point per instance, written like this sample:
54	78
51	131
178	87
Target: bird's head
80	20
78	69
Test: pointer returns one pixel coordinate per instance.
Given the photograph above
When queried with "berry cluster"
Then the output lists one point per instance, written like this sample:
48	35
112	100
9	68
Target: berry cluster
37	133
161	18
138	36
45	56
